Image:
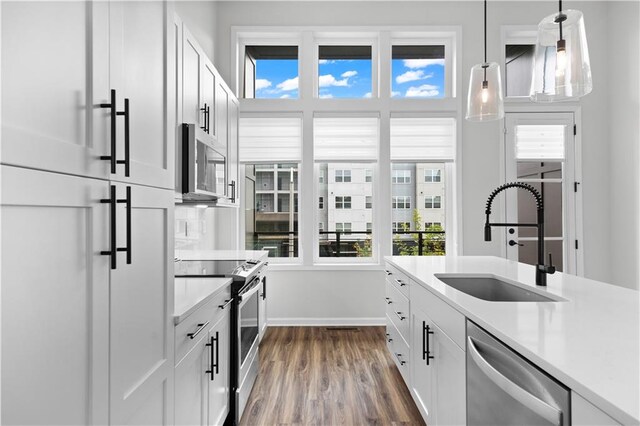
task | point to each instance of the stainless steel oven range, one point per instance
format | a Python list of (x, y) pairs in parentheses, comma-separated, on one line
[(248, 279)]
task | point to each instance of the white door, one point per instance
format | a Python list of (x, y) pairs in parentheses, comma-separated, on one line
[(449, 367), (140, 63), (540, 150), (192, 383), (422, 374), (55, 293), (141, 309), (219, 339), (55, 75)]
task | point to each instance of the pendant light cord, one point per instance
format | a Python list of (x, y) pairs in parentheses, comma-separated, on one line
[(560, 16), (485, 31)]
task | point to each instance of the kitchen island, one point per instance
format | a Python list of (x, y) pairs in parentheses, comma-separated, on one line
[(588, 339)]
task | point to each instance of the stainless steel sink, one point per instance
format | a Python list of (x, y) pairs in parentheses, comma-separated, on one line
[(493, 289)]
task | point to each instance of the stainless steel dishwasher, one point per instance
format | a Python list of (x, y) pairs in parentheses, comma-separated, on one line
[(503, 388)]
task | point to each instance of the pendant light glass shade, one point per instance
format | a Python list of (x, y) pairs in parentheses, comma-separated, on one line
[(561, 68), (484, 102)]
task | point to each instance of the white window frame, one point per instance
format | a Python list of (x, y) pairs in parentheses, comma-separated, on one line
[(321, 203), (515, 34), (382, 106), (342, 201), (344, 173), (404, 200), (431, 175), (400, 180), (433, 201), (368, 175), (368, 201)]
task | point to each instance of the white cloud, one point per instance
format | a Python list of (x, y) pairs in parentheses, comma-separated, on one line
[(325, 61), (412, 76), (285, 96), (326, 96), (329, 80), (395, 94), (424, 91), (288, 85), (422, 63), (367, 95), (262, 83), (348, 74)]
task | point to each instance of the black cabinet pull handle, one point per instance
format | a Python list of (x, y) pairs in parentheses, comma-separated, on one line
[(127, 158), (233, 191), (399, 356), (217, 363), (127, 249), (201, 327), (112, 157), (112, 226), (214, 345), (264, 285), (389, 339), (426, 331), (399, 314), (204, 114), (402, 283), (209, 119), (388, 300), (226, 303), (211, 354), (387, 272)]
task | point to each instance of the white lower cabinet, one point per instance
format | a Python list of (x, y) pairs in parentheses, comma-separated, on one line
[(583, 413), (202, 376), (422, 371)]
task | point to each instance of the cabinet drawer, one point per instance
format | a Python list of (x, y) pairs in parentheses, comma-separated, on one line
[(199, 322), (450, 321), (398, 349), (397, 278), (398, 309)]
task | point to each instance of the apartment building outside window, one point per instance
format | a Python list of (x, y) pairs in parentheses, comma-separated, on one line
[(343, 202), (401, 202), (401, 176), (368, 202), (368, 175), (432, 175), (321, 202), (432, 202), (401, 226), (343, 176), (343, 226)]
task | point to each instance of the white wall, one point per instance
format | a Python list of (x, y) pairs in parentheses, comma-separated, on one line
[(609, 132), (623, 141)]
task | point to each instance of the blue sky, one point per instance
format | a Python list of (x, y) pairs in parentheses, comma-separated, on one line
[(423, 78)]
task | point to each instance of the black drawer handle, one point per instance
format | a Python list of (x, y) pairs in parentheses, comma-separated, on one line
[(426, 350), (389, 339), (402, 283), (387, 272), (399, 314), (399, 356), (389, 301), (112, 158), (201, 327)]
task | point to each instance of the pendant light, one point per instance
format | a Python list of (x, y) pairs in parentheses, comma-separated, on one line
[(484, 102), (561, 69)]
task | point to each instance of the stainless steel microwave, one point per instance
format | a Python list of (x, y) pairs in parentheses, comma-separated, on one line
[(204, 174)]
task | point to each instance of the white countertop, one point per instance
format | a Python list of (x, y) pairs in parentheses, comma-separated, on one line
[(222, 254), (191, 293), (589, 342)]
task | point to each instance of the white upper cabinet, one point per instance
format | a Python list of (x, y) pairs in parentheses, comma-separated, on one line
[(209, 80), (55, 292), (232, 151), (55, 74), (192, 63), (139, 72)]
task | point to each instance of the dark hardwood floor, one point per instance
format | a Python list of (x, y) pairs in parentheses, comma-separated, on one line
[(328, 376)]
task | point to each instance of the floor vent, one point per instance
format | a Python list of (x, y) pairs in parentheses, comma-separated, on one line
[(342, 328)]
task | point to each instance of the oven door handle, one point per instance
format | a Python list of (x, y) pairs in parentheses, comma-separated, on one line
[(253, 288)]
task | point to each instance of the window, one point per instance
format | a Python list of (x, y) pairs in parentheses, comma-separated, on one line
[(428, 226), (368, 202), (401, 176), (343, 202), (321, 202), (321, 176), (369, 226), (264, 203), (344, 72), (271, 72), (401, 226), (432, 202), (343, 176), (401, 202), (432, 175), (368, 175), (320, 226), (343, 226), (418, 71)]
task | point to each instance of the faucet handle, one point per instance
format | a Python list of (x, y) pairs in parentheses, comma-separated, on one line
[(550, 268)]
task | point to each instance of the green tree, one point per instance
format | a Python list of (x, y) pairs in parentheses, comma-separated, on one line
[(433, 244)]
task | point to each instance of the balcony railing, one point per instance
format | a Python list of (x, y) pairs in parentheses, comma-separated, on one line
[(350, 243)]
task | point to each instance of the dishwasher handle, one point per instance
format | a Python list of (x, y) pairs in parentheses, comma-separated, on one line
[(538, 406)]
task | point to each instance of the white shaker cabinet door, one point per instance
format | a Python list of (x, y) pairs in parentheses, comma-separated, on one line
[(55, 292), (450, 393), (55, 75), (209, 79), (192, 382), (192, 93), (219, 339), (232, 150), (423, 376), (141, 69), (141, 306)]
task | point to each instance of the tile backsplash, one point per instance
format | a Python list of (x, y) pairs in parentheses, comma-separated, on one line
[(194, 228)]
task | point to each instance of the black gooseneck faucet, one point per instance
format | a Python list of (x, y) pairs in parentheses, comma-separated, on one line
[(541, 269)]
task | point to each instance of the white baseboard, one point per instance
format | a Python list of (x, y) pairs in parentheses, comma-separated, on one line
[(290, 322)]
